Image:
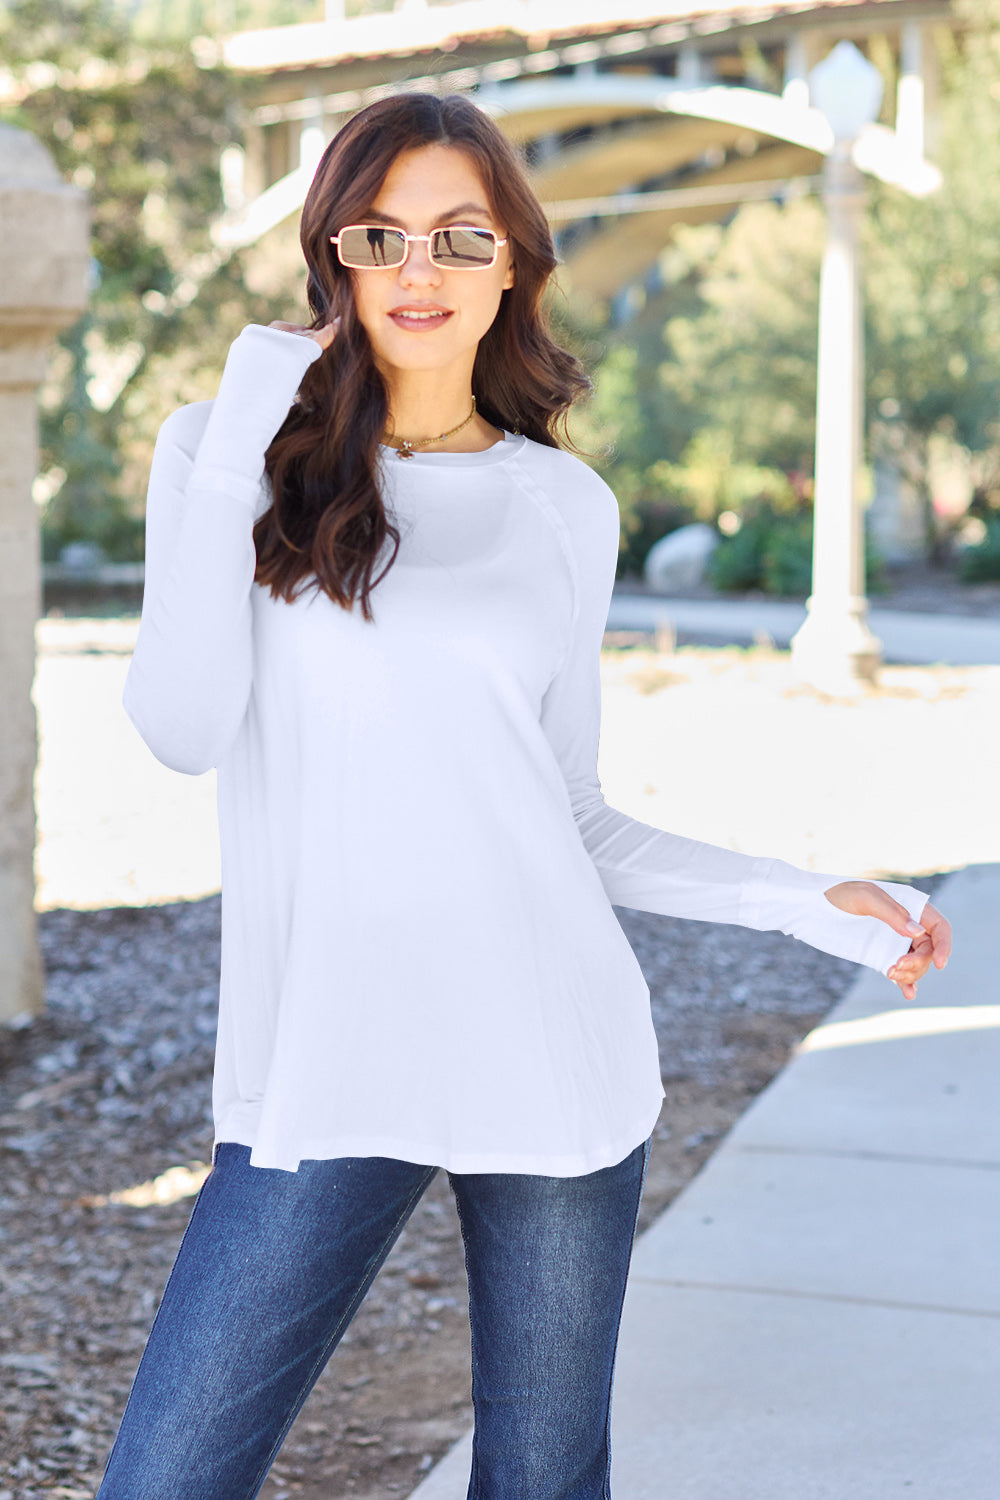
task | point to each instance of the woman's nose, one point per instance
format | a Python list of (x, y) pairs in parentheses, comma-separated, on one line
[(418, 266)]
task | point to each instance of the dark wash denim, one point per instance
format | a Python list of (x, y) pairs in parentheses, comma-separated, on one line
[(274, 1264)]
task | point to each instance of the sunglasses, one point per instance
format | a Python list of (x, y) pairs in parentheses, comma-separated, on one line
[(460, 247)]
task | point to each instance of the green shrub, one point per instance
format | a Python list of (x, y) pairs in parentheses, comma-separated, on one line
[(981, 564), (786, 565), (644, 523), (761, 554), (737, 561), (772, 551), (106, 521)]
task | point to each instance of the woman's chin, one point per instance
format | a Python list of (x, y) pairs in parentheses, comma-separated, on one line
[(422, 353)]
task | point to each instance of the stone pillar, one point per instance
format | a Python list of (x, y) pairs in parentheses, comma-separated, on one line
[(44, 258)]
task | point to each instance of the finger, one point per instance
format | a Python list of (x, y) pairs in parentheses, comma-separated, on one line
[(918, 957), (324, 334), (939, 929), (912, 972), (908, 964), (935, 946), (912, 965), (921, 952), (896, 916), (865, 898)]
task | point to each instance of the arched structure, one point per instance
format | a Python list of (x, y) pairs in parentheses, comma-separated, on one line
[(709, 104), (644, 132)]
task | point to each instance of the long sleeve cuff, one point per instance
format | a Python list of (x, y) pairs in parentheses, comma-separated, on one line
[(263, 371), (779, 896), (651, 870)]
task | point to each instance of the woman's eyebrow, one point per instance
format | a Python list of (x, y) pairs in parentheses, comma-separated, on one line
[(372, 215)]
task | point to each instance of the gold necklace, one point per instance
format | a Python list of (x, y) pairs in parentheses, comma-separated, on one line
[(407, 445)]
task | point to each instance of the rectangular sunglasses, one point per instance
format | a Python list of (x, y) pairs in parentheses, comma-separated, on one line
[(459, 247)]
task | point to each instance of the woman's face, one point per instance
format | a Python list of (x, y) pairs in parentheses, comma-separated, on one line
[(430, 188)]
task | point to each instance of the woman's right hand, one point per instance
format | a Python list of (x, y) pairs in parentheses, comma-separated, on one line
[(324, 336), (931, 935)]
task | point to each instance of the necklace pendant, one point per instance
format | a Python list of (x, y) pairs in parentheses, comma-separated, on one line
[(405, 451)]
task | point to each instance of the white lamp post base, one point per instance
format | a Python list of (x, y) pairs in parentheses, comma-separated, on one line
[(834, 649)]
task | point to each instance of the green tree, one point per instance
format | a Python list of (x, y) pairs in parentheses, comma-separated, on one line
[(731, 389), (142, 130), (933, 275), (633, 426), (745, 357)]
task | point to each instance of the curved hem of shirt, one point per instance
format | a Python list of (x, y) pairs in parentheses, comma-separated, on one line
[(460, 1162), (498, 453)]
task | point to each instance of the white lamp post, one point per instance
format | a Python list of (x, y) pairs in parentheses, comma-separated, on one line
[(834, 649)]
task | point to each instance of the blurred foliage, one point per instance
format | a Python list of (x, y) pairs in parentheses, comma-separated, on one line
[(706, 399), (704, 402), (141, 130), (682, 425), (981, 563), (933, 277), (772, 551), (625, 427), (709, 478), (746, 352), (643, 523), (180, 19)]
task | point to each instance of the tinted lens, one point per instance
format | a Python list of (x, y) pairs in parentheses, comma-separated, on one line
[(370, 245), (463, 247)]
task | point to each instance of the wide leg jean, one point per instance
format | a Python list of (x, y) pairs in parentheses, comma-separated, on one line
[(274, 1264)]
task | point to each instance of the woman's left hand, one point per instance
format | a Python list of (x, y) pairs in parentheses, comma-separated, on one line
[(930, 944)]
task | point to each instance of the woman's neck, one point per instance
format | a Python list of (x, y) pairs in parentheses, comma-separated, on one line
[(425, 404)]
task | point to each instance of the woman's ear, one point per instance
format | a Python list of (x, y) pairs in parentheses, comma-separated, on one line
[(508, 280)]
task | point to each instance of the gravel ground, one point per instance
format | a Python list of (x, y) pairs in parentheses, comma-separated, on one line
[(105, 1100)]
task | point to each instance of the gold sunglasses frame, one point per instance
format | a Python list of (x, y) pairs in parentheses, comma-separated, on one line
[(408, 239)]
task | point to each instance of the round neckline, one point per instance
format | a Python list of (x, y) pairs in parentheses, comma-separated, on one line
[(499, 452)]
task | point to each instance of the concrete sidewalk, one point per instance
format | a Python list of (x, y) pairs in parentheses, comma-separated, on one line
[(817, 1315), (953, 640)]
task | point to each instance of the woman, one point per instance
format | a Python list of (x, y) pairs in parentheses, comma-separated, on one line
[(375, 594)]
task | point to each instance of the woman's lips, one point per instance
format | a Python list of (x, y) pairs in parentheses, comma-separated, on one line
[(419, 319)]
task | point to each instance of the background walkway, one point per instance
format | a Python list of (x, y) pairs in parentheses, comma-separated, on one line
[(817, 1315), (906, 636)]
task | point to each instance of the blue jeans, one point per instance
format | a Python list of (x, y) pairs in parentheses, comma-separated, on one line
[(272, 1267)]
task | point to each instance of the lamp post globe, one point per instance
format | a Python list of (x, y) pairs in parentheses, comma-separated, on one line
[(847, 89)]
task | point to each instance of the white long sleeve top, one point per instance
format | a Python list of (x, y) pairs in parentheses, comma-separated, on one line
[(420, 958)]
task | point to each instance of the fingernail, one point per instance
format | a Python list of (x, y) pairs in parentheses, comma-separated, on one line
[(915, 928)]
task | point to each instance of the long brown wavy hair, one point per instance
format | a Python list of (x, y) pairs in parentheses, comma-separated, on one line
[(327, 523)]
